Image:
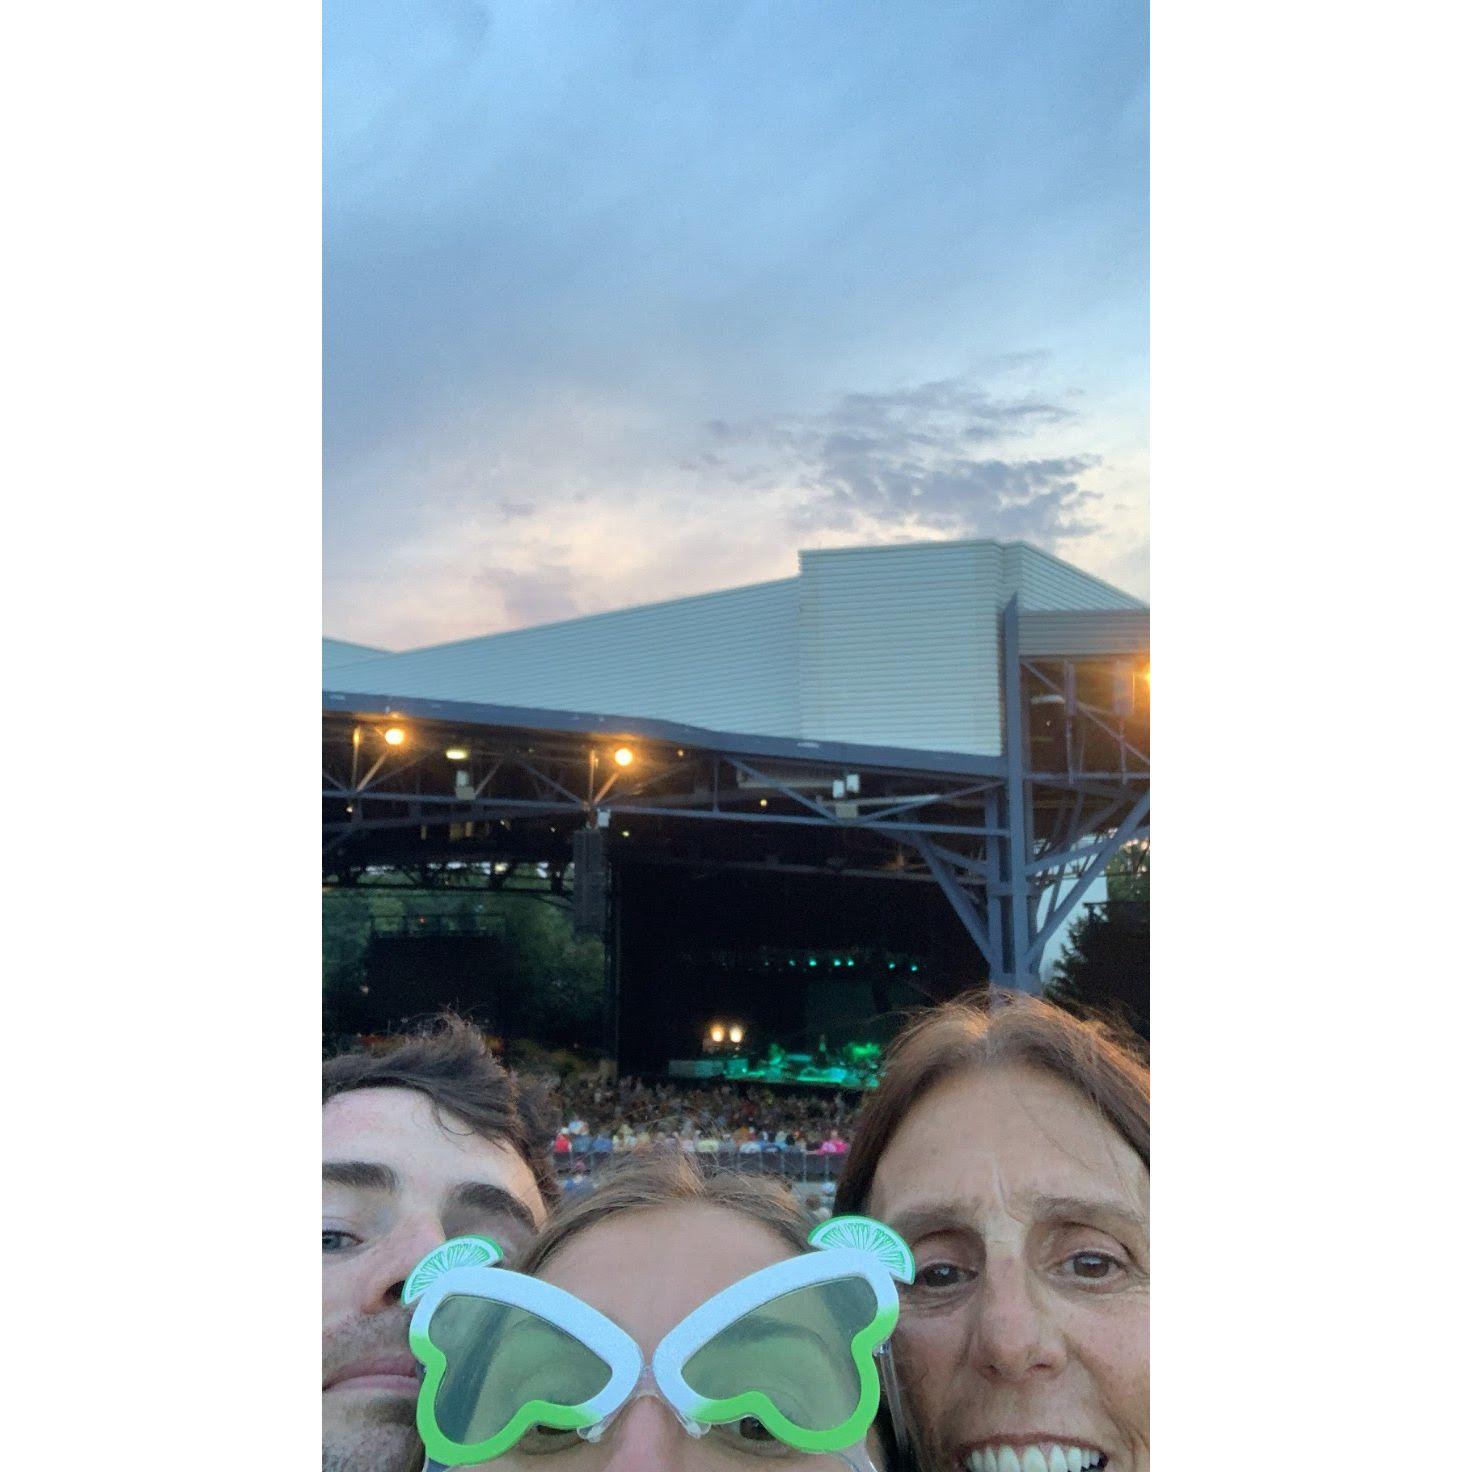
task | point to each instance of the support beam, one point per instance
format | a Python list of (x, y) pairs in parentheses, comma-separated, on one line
[(1018, 972), (961, 902), (1105, 851)]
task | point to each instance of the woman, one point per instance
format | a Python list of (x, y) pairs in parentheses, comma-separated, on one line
[(730, 1340), (1009, 1145)]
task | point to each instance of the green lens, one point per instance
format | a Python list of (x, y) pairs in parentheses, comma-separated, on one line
[(796, 1350), (499, 1358)]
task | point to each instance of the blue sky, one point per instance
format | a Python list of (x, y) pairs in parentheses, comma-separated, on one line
[(630, 300)]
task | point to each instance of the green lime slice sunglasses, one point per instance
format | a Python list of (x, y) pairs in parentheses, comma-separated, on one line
[(511, 1362)]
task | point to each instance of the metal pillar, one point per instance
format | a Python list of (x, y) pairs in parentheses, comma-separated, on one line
[(1020, 968)]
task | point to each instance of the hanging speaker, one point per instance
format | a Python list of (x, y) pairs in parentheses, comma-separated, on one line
[(589, 882)]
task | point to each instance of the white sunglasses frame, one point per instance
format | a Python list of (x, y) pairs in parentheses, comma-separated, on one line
[(617, 1349)]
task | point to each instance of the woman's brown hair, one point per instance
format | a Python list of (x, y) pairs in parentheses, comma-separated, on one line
[(986, 1031)]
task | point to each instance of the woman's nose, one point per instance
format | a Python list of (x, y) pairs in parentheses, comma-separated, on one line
[(1014, 1336), (647, 1437)]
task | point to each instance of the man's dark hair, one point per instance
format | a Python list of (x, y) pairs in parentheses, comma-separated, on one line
[(450, 1063)]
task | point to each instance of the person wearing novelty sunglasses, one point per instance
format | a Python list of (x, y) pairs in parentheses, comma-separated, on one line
[(678, 1320)]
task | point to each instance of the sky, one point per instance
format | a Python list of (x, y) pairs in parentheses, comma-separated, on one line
[(626, 301)]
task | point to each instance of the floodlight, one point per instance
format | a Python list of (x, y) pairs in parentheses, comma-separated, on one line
[(457, 753), (737, 1033), (717, 1033), (395, 735), (623, 756)]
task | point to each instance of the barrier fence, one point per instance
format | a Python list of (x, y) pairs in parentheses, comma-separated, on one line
[(802, 1166)]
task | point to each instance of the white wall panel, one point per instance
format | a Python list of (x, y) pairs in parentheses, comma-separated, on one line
[(724, 660), (898, 645), (1044, 581)]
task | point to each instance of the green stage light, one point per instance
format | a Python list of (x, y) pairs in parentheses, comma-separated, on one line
[(891, 965), (812, 960), (849, 962), (914, 967), (837, 962)]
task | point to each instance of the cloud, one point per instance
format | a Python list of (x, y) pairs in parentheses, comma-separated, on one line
[(909, 460), (535, 595)]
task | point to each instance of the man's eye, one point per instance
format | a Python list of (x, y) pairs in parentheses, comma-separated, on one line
[(943, 1275), (336, 1241)]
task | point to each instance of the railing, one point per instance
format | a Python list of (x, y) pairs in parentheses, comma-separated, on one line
[(802, 1166)]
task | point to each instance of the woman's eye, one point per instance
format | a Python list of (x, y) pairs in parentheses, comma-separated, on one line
[(750, 1436), (943, 1275), (1095, 1267), (542, 1439), (334, 1240)]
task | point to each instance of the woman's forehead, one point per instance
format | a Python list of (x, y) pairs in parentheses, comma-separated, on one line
[(1008, 1128), (647, 1268)]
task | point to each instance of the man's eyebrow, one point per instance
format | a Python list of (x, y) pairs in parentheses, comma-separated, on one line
[(359, 1175), (482, 1196)]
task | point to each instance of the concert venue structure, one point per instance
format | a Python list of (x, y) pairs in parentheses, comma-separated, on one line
[(790, 807)]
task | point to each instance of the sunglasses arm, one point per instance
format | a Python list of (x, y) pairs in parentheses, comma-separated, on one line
[(893, 1398)]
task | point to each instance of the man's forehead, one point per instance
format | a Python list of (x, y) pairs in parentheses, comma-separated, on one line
[(391, 1111), (422, 1150)]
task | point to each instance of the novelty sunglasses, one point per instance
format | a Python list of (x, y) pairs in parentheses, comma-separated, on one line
[(510, 1359)]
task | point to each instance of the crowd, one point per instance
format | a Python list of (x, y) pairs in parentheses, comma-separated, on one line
[(988, 1247), (600, 1119)]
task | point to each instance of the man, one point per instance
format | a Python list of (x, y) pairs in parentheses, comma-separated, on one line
[(430, 1140)]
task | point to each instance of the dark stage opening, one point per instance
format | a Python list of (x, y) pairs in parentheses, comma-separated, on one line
[(813, 964)]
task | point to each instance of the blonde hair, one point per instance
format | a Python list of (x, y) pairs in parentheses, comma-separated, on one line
[(647, 1183)]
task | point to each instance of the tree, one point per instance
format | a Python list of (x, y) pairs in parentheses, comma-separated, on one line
[(1105, 966), (539, 980)]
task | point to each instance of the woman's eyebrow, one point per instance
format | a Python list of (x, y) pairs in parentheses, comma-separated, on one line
[(914, 1222), (959, 1214), (1096, 1211)]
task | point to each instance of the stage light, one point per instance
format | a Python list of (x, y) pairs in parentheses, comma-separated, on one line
[(718, 1034), (812, 960), (457, 753), (737, 1033), (762, 803), (395, 736), (623, 756)]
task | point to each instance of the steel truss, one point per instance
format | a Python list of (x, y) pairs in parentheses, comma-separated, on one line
[(1013, 842)]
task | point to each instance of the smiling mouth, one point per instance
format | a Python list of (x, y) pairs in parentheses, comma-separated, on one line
[(1034, 1456)]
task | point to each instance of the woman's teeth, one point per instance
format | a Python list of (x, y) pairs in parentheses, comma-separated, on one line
[(1036, 1457)]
